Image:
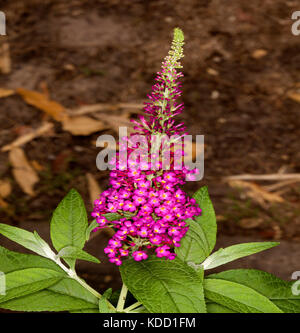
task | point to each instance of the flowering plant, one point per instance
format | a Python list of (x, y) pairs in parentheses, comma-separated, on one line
[(141, 186), (162, 242)]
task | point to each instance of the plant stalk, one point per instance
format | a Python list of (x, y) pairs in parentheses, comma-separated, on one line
[(122, 298), (132, 307), (73, 275)]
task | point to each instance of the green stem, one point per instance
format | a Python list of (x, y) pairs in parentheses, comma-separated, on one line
[(73, 275), (86, 286), (122, 298), (132, 307)]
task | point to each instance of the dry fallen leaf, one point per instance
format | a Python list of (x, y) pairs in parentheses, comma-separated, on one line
[(221, 218), (94, 188), (115, 122), (3, 203), (6, 92), (294, 96), (37, 166), (256, 192), (250, 223), (5, 188), (259, 53), (82, 125), (23, 172), (212, 71), (5, 61), (41, 101), (28, 137)]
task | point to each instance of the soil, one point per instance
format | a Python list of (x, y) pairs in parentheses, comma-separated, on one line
[(89, 51)]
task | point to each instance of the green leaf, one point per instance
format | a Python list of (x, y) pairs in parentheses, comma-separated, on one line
[(237, 297), (164, 286), (90, 228), (27, 281), (223, 256), (103, 304), (217, 308), (85, 311), (113, 216), (117, 216), (72, 288), (66, 295), (107, 294), (207, 219), (73, 252), (200, 239), (31, 241), (11, 261), (69, 223), (277, 290), (194, 246)]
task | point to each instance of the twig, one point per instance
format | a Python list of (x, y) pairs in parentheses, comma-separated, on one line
[(276, 176), (284, 183), (28, 137), (102, 107)]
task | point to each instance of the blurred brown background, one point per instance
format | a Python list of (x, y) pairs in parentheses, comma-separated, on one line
[(241, 90)]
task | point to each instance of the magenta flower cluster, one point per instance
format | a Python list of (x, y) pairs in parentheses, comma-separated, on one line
[(151, 209), (158, 210)]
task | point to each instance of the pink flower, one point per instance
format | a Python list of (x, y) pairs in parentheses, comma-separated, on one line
[(164, 195), (114, 243), (124, 194), (138, 200), (161, 210), (174, 231), (170, 177), (101, 221), (146, 209), (158, 229), (129, 206), (169, 217), (134, 173), (112, 207), (140, 192), (124, 253), (139, 255), (116, 261), (143, 232), (154, 202), (172, 256), (144, 184), (110, 251), (180, 196), (162, 251), (156, 239)]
